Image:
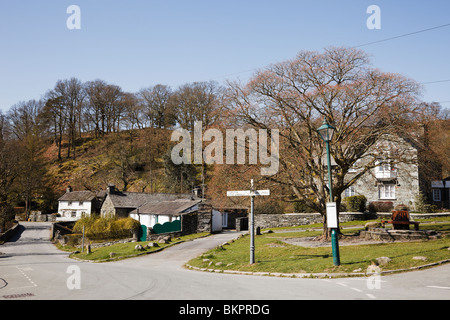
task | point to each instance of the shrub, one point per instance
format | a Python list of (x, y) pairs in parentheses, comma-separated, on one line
[(100, 228), (401, 207), (269, 207), (73, 240), (356, 203), (301, 207), (381, 206)]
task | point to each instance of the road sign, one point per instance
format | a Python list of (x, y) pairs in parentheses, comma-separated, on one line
[(252, 194), (248, 193), (332, 220)]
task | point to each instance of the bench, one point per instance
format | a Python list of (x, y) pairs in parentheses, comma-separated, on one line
[(400, 221)]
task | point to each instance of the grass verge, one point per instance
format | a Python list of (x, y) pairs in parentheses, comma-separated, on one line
[(273, 255), (125, 250)]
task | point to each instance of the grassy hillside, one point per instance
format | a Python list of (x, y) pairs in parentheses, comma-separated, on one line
[(132, 160)]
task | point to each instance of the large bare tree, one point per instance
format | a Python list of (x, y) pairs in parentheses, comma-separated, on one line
[(340, 86)]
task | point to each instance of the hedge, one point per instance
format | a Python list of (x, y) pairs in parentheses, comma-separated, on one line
[(356, 203), (101, 228)]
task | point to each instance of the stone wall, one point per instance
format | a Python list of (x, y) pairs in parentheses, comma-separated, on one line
[(405, 179), (108, 208), (9, 233), (299, 219), (204, 217)]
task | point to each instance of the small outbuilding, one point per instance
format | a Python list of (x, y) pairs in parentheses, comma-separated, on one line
[(160, 212)]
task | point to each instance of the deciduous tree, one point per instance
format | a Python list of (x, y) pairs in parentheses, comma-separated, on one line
[(339, 85)]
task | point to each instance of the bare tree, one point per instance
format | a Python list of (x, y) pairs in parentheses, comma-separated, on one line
[(66, 103), (104, 107), (9, 170), (156, 107), (55, 120), (295, 96), (198, 101), (27, 130)]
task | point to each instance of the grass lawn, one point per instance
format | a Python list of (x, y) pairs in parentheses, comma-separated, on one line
[(274, 255), (125, 250)]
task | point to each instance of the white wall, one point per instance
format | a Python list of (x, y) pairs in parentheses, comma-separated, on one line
[(216, 220), (66, 208), (149, 220)]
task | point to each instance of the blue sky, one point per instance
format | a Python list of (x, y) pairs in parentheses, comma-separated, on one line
[(137, 43)]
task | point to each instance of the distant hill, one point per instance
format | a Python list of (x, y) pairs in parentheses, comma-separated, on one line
[(132, 160)]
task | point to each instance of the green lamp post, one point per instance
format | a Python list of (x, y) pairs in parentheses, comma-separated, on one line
[(326, 132)]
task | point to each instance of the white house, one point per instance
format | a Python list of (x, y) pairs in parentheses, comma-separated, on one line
[(75, 204), (159, 212)]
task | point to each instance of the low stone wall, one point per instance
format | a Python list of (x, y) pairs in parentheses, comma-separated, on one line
[(380, 234), (299, 219), (9, 233), (416, 216)]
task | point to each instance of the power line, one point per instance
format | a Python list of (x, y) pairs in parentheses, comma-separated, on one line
[(438, 81), (366, 44), (369, 43), (403, 35)]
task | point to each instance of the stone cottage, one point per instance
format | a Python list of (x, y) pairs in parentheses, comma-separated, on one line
[(400, 173)]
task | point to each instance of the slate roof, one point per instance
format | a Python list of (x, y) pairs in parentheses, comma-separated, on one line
[(138, 199), (78, 196), (174, 207)]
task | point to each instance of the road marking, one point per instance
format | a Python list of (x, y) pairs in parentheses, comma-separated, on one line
[(27, 277), (356, 289), (437, 287), (371, 296)]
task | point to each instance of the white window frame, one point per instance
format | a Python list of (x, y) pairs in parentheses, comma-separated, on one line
[(349, 192), (386, 191), (385, 166), (437, 195)]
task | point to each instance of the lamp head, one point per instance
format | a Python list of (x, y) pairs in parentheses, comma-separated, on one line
[(326, 131)]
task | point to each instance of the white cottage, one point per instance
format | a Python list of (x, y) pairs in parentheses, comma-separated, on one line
[(160, 212), (75, 204)]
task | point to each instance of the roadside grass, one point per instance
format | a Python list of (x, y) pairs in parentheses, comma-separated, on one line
[(276, 256), (125, 250)]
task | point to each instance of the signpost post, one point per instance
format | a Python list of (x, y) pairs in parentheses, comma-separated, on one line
[(252, 194), (326, 133)]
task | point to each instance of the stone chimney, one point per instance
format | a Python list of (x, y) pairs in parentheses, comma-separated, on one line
[(69, 189), (111, 189)]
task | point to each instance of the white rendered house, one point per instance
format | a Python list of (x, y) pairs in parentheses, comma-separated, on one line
[(75, 204)]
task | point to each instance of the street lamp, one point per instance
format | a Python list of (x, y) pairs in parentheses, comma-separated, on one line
[(326, 132)]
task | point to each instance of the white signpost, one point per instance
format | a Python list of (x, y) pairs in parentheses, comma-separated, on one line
[(252, 194), (332, 220)]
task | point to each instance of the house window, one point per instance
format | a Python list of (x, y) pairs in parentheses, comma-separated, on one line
[(436, 195), (349, 192), (385, 166), (69, 203), (386, 191), (81, 203)]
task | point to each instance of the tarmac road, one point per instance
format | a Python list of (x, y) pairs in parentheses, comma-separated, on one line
[(32, 268)]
